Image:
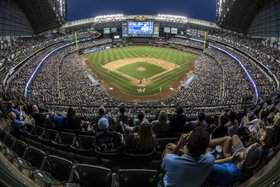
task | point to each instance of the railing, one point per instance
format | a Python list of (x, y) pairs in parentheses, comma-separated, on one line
[(151, 111)]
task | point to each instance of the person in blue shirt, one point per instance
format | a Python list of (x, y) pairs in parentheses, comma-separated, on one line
[(20, 124), (232, 169), (56, 120), (193, 166)]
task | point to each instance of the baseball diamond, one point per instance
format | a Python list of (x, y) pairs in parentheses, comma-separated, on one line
[(140, 73)]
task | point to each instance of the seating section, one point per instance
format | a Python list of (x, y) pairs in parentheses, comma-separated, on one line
[(53, 156)]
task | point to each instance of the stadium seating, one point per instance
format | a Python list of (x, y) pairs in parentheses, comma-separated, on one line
[(7, 142), (64, 140), (54, 171), (137, 178), (31, 160), (84, 144), (17, 149), (92, 176)]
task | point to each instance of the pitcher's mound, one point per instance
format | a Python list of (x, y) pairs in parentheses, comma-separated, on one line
[(141, 69)]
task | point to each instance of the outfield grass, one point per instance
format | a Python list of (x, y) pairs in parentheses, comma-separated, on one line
[(148, 71), (180, 58)]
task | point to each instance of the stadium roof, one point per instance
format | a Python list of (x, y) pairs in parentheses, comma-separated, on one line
[(237, 15), (44, 14)]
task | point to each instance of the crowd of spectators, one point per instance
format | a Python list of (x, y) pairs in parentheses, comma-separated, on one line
[(267, 55), (217, 79), (266, 86), (205, 87), (50, 78), (63, 79), (206, 150), (20, 49)]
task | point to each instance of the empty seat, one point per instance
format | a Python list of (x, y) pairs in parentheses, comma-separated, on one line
[(162, 142), (138, 160), (50, 136), (7, 142), (2, 134), (32, 159), (137, 178), (17, 149), (65, 139), (92, 176), (109, 159), (84, 144), (37, 133), (55, 171)]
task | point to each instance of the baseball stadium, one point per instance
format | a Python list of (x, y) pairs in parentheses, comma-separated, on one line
[(139, 98)]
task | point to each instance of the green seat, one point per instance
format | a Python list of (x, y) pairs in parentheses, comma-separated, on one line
[(56, 170), (32, 159), (92, 176), (17, 150)]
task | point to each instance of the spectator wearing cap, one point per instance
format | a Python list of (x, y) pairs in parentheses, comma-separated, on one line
[(142, 142), (200, 121), (178, 120), (108, 141), (102, 113)]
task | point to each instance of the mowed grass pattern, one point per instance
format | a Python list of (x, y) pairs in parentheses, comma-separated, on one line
[(140, 70), (180, 58)]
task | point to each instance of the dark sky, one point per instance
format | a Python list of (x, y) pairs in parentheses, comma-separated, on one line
[(199, 9)]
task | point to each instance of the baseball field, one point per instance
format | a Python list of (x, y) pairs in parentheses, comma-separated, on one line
[(140, 73)]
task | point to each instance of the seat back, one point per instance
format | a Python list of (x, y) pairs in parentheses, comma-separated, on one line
[(67, 138), (162, 142), (139, 156), (19, 147), (85, 142), (92, 176), (59, 167), (38, 131), (138, 160), (2, 135), (9, 140), (29, 128), (137, 178), (34, 156), (51, 134)]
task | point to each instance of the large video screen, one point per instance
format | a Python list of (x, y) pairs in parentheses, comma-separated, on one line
[(140, 28)]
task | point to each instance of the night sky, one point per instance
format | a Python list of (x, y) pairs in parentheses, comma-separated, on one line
[(199, 9)]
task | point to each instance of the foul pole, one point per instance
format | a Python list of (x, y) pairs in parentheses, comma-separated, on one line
[(76, 40)]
